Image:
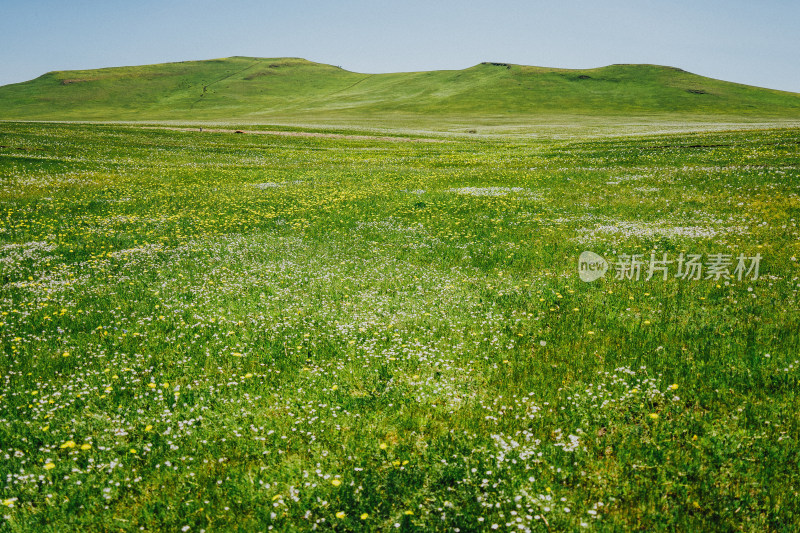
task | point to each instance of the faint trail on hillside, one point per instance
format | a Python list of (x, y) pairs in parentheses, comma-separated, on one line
[(351, 86), (206, 86)]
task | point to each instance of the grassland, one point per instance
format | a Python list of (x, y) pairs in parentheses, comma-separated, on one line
[(287, 90), (221, 332)]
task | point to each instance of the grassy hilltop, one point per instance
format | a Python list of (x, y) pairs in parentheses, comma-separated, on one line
[(252, 89)]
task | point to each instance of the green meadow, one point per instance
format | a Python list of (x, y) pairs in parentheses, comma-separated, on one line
[(375, 331)]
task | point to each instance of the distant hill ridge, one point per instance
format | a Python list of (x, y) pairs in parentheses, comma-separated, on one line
[(250, 88)]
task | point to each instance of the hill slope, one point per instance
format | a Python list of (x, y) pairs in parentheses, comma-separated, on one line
[(253, 88)]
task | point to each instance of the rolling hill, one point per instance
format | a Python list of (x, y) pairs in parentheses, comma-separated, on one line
[(252, 89)]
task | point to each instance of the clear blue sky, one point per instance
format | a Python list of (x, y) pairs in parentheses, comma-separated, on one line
[(755, 42)]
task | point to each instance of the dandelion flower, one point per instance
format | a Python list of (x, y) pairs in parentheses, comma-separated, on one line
[(340, 514), (654, 416), (364, 516), (68, 444), (86, 446), (383, 446), (49, 466), (336, 482)]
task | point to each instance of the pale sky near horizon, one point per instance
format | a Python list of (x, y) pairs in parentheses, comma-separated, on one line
[(751, 42)]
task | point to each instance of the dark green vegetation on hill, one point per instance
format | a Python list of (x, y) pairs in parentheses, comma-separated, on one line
[(251, 89), (243, 332)]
